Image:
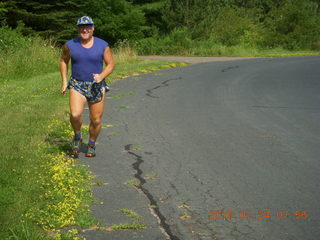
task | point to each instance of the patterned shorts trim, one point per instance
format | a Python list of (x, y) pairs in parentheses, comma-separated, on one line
[(93, 91)]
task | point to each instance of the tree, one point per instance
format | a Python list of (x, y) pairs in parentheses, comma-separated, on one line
[(152, 10), (47, 18), (3, 9), (195, 15), (293, 25), (117, 20), (234, 26)]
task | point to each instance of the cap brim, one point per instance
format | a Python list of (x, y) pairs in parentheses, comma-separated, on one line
[(91, 24)]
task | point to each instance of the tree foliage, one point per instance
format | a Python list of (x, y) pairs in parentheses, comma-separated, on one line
[(194, 15), (45, 17), (117, 20), (235, 26), (152, 11), (291, 24)]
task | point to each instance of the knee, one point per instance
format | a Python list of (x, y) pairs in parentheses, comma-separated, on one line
[(95, 121), (75, 116)]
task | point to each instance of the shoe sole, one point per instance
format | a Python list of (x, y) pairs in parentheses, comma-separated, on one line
[(90, 155)]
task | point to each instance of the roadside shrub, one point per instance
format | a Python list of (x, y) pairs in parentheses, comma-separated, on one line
[(233, 26), (294, 25), (11, 40), (194, 15), (315, 45), (148, 46), (252, 36), (117, 20), (123, 52), (178, 42)]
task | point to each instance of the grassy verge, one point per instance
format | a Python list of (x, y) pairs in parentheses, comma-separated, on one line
[(42, 192), (129, 64), (208, 48)]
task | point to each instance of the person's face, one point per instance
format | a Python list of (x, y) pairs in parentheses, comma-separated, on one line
[(85, 31)]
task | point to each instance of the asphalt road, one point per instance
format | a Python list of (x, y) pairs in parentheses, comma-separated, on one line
[(223, 150)]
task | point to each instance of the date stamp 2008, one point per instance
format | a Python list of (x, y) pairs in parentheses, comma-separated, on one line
[(260, 214)]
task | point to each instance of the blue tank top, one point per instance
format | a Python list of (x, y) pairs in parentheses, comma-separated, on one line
[(86, 61)]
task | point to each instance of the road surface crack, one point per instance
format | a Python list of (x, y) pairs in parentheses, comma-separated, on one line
[(229, 68), (163, 84), (155, 211)]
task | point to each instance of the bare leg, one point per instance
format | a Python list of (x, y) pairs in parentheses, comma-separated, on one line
[(77, 102), (96, 112)]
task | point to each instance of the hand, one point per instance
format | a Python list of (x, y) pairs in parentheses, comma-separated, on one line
[(97, 77), (64, 88)]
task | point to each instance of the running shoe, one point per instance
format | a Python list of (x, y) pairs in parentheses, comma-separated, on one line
[(91, 151), (76, 145)]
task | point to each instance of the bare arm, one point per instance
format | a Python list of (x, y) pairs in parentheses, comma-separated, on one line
[(64, 61), (108, 59)]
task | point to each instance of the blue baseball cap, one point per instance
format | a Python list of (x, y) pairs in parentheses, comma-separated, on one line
[(85, 20)]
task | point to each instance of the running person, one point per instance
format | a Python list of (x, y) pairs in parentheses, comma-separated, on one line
[(87, 81)]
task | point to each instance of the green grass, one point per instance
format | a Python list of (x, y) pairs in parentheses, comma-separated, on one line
[(124, 107), (132, 214), (246, 51), (41, 190), (139, 66), (209, 48), (136, 147), (185, 216), (113, 134), (127, 226), (134, 183), (150, 176), (99, 183)]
